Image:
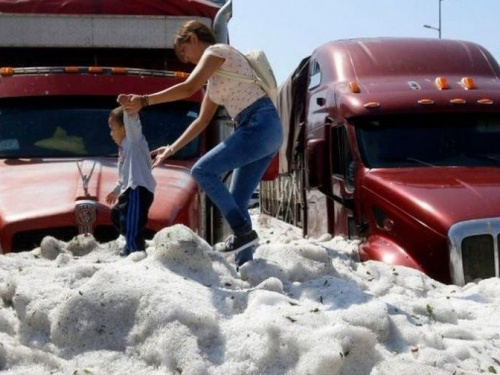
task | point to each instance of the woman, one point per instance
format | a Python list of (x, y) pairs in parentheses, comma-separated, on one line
[(248, 151)]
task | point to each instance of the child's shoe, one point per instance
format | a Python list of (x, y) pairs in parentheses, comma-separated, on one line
[(124, 251)]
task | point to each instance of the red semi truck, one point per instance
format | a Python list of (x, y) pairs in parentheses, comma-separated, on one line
[(63, 63), (395, 142)]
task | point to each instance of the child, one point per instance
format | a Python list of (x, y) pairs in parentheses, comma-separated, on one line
[(135, 187)]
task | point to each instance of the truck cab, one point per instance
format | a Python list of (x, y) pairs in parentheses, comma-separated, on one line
[(62, 66), (394, 142)]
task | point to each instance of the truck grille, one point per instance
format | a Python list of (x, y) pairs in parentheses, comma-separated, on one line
[(474, 250), (29, 240)]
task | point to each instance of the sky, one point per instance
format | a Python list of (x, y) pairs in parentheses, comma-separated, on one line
[(301, 307), (290, 30)]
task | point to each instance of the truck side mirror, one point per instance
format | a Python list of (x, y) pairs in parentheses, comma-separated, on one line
[(315, 155)]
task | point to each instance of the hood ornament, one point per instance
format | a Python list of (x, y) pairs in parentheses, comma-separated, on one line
[(85, 178), (85, 209), (85, 215)]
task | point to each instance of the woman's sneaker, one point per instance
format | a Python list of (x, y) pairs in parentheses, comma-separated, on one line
[(236, 243)]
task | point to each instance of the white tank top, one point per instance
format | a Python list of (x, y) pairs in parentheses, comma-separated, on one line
[(231, 93)]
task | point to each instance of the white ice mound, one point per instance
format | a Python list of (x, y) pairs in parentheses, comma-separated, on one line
[(184, 252), (83, 244)]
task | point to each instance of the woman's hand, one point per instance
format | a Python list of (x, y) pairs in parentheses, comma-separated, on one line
[(160, 154)]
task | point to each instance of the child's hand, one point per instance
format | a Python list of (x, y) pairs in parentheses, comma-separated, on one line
[(123, 99), (131, 103), (111, 198)]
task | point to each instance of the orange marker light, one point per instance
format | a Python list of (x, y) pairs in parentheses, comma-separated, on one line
[(7, 71), (181, 75), (354, 87), (458, 101), (468, 83), (117, 70), (441, 83), (95, 69), (485, 101), (71, 69), (426, 101), (372, 105)]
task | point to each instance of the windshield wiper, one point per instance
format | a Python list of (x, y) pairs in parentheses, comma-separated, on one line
[(418, 161), (492, 159)]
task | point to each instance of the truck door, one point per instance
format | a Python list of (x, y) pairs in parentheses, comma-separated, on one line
[(343, 175), (319, 207)]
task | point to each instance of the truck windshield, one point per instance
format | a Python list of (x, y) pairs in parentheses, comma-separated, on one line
[(429, 140), (45, 128)]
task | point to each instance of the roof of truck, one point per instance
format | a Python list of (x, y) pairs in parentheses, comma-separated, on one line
[(201, 8), (369, 58), (399, 73)]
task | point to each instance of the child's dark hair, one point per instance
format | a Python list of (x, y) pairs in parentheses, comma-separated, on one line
[(117, 115)]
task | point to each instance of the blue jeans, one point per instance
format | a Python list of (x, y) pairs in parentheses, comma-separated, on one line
[(247, 152)]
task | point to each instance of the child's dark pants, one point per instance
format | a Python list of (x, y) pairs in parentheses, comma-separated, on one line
[(130, 216)]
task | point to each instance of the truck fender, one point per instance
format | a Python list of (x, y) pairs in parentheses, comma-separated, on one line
[(385, 250), (272, 170)]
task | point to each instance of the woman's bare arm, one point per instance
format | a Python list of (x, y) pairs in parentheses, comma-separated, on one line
[(207, 112), (205, 68)]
